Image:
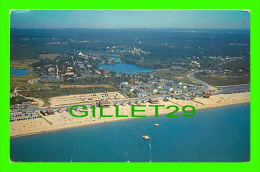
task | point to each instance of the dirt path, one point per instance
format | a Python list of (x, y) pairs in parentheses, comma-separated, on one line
[(39, 101)]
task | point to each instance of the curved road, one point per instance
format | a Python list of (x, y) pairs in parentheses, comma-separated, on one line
[(205, 85), (40, 102)]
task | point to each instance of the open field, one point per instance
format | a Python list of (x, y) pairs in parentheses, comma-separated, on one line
[(49, 56), (85, 86), (22, 64), (84, 98), (222, 80), (48, 92), (65, 120), (173, 75)]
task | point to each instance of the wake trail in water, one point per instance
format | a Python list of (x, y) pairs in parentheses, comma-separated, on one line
[(127, 157), (150, 152), (72, 153)]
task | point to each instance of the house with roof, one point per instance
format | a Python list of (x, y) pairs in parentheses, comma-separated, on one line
[(118, 75), (157, 86), (155, 91), (177, 90), (128, 88), (188, 85), (142, 94), (182, 87), (135, 91), (151, 76), (192, 88), (173, 83), (162, 92), (138, 82), (168, 89), (144, 87), (151, 82), (125, 83), (122, 85), (162, 80)]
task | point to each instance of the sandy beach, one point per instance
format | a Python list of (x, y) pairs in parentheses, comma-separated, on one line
[(65, 120)]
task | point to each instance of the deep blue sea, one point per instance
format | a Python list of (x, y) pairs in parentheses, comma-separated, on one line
[(212, 135), (18, 72), (125, 68)]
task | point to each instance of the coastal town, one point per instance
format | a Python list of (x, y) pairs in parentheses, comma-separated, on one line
[(95, 70), (130, 89), (129, 86)]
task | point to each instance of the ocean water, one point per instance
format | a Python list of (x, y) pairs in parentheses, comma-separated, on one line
[(213, 135), (18, 72), (125, 68)]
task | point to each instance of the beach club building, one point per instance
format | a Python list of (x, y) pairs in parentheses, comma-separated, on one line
[(153, 100), (104, 103)]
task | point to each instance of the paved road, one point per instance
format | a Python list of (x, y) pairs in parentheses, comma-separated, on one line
[(224, 90), (234, 89), (205, 85)]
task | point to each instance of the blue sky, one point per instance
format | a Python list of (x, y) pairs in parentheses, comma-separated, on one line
[(237, 19)]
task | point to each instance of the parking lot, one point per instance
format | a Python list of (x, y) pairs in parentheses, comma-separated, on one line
[(234, 89)]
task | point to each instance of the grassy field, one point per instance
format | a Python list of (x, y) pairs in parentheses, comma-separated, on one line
[(45, 80), (22, 64), (85, 86), (49, 56), (166, 73), (222, 80), (48, 92), (18, 100)]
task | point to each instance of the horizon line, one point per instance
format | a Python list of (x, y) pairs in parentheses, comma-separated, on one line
[(132, 28)]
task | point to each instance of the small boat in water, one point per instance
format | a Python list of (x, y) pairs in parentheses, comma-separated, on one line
[(156, 124), (146, 137)]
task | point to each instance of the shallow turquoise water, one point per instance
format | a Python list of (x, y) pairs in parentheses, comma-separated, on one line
[(212, 135)]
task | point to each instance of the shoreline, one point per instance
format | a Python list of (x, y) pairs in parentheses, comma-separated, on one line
[(65, 121), (100, 122)]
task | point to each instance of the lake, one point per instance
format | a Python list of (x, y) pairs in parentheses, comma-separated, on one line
[(18, 72), (219, 134), (125, 68)]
